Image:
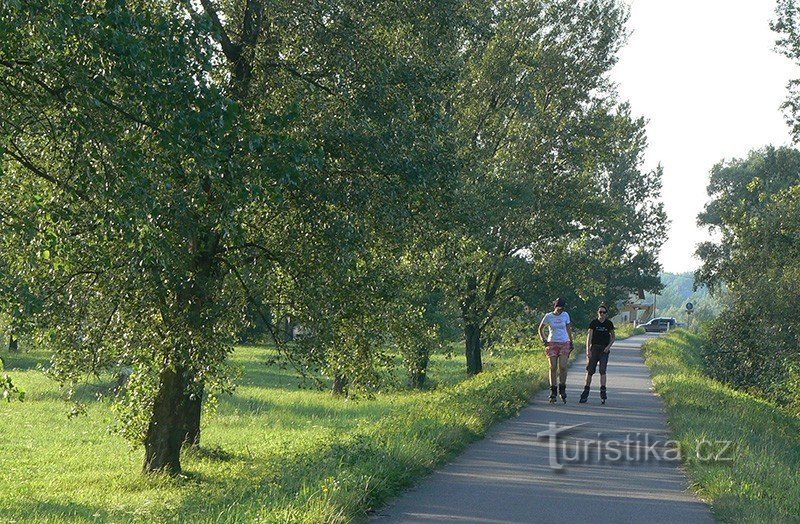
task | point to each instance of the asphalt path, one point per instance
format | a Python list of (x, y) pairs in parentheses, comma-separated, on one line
[(616, 464)]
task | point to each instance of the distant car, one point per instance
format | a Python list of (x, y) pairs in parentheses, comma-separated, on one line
[(660, 324)]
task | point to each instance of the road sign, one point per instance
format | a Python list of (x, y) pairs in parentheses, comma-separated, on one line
[(689, 306)]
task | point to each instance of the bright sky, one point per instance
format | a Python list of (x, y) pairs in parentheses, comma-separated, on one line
[(704, 73)]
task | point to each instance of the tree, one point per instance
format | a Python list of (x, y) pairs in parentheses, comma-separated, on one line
[(787, 25), (131, 212), (544, 152), (173, 165), (755, 207), (372, 89)]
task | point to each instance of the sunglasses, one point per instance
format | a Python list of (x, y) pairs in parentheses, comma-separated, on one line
[(602, 312)]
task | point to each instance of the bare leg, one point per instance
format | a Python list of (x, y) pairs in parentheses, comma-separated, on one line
[(553, 370), (603, 380), (563, 360), (589, 379)]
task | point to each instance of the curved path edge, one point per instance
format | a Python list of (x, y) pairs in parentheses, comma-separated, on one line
[(513, 475)]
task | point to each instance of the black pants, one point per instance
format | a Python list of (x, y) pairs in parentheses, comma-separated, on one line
[(596, 355)]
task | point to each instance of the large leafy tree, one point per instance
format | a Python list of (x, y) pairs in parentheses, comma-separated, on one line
[(131, 169), (372, 78), (174, 166)]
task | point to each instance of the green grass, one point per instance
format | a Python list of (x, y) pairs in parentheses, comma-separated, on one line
[(760, 483), (272, 452), (627, 330)]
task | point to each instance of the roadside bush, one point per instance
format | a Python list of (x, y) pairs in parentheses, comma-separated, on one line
[(750, 355)]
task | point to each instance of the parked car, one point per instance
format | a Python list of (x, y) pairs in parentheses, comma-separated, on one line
[(660, 324)]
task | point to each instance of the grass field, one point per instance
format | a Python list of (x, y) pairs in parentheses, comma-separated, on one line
[(760, 482), (272, 451)]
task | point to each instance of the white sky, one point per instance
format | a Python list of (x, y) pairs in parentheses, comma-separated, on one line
[(704, 73)]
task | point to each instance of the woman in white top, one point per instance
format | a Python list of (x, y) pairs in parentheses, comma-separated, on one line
[(558, 345)]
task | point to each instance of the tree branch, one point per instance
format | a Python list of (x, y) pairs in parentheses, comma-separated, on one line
[(232, 51), (20, 157), (294, 72), (253, 301), (127, 114)]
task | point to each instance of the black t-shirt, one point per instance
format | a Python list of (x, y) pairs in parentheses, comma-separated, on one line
[(602, 332)]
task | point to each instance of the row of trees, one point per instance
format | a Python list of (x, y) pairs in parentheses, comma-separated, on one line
[(171, 171), (755, 209)]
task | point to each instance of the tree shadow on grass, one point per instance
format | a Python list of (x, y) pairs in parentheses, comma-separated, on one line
[(215, 453), (260, 374), (46, 510), (23, 361), (85, 392), (244, 405), (272, 482)]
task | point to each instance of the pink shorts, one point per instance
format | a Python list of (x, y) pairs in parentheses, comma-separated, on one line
[(555, 349)]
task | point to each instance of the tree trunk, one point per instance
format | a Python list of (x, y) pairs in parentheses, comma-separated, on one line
[(13, 343), (472, 335), (192, 409), (472, 327), (419, 368), (166, 431), (196, 296), (288, 331), (123, 376), (339, 383)]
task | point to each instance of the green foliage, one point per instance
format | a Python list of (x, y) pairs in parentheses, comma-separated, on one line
[(8, 391), (760, 482), (756, 207), (787, 25)]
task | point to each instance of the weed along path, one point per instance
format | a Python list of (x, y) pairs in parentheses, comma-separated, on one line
[(568, 462)]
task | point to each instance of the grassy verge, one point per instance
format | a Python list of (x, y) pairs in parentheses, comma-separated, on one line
[(760, 482), (627, 330)]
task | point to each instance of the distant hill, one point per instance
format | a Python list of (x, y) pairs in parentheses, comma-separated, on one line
[(678, 291)]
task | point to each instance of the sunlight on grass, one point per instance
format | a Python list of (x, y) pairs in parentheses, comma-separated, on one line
[(272, 451), (760, 483)]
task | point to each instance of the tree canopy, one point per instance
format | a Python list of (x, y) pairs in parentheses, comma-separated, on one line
[(370, 171)]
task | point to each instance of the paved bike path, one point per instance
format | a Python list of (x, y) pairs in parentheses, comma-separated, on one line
[(507, 477)]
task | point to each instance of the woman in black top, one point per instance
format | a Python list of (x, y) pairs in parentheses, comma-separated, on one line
[(598, 346)]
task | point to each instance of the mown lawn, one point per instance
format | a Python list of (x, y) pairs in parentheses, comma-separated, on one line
[(760, 482), (272, 452)]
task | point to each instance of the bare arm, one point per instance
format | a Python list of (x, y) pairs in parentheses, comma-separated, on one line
[(589, 341), (569, 332), (611, 342), (541, 331)]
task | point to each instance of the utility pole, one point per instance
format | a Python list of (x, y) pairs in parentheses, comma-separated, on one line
[(655, 296)]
